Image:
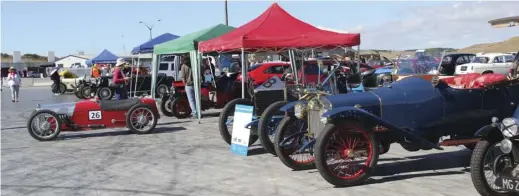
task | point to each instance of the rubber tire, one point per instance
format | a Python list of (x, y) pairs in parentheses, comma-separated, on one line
[(320, 161), (180, 100), (87, 95), (284, 158), (165, 112), (165, 90), (29, 127), (476, 170), (487, 72), (105, 98), (128, 118), (266, 116), (79, 92), (226, 111)]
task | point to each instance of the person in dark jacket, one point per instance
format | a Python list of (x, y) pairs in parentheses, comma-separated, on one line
[(54, 76)]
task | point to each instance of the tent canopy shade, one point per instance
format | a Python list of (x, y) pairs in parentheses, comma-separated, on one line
[(147, 47), (189, 42), (105, 57), (277, 30)]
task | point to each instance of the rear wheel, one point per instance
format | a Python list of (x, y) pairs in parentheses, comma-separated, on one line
[(487, 72), (346, 153), (226, 118), (267, 125), (87, 92), (141, 119), (61, 90), (180, 107), (44, 125), (105, 93), (288, 151)]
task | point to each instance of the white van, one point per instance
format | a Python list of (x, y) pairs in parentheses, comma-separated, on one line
[(167, 66), (500, 63)]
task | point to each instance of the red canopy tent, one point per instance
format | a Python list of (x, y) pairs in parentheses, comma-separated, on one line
[(276, 30)]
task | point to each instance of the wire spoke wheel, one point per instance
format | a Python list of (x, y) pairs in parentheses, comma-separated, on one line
[(345, 153), (44, 125), (488, 167), (348, 153), (292, 144), (141, 118)]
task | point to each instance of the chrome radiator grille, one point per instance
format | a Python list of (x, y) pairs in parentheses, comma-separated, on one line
[(315, 125)]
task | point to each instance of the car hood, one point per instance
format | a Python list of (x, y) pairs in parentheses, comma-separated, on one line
[(61, 108), (385, 101)]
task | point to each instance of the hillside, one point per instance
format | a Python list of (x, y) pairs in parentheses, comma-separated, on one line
[(510, 45), (29, 58)]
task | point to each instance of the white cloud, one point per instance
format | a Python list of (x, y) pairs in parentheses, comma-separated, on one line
[(454, 24)]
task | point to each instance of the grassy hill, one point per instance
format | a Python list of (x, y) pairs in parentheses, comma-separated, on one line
[(509, 45), (29, 58)]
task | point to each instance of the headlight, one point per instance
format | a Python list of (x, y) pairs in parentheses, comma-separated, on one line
[(506, 146), (325, 103), (509, 127), (299, 110)]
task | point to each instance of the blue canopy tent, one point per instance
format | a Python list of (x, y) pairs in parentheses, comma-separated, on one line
[(105, 57), (147, 47)]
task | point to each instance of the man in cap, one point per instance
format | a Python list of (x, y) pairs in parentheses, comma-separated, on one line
[(119, 80)]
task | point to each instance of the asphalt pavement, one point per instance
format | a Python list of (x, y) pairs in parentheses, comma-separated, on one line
[(182, 157)]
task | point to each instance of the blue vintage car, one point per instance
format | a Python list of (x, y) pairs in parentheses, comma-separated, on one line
[(352, 130)]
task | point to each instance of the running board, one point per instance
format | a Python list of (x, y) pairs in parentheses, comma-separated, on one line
[(456, 142)]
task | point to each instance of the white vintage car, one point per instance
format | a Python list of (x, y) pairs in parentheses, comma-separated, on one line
[(500, 63)]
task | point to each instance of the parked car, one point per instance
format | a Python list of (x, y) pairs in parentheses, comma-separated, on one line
[(496, 157), (450, 61), (413, 111), (500, 63)]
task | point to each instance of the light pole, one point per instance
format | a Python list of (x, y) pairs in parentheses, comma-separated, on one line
[(226, 14), (150, 27)]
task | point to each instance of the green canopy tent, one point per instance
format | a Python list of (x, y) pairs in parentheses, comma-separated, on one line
[(183, 45)]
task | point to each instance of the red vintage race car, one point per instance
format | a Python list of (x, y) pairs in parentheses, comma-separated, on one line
[(140, 115)]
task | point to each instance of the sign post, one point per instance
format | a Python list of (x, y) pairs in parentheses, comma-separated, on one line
[(240, 134)]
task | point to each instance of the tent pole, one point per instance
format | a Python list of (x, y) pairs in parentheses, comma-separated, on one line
[(243, 73), (136, 75), (154, 71), (199, 87), (302, 67), (293, 64), (131, 76), (358, 58)]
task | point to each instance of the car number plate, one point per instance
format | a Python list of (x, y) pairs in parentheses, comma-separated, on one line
[(508, 183), (94, 115), (463, 68)]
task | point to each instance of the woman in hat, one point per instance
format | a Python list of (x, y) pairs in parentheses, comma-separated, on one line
[(14, 82), (119, 80)]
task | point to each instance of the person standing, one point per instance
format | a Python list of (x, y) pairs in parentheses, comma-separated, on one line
[(119, 80), (55, 77), (187, 78), (14, 81)]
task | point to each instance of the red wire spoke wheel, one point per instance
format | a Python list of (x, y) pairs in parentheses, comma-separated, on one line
[(346, 153)]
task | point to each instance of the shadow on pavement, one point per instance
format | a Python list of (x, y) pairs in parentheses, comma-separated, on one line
[(402, 168), (166, 123), (157, 130), (257, 151), (124, 191), (211, 114)]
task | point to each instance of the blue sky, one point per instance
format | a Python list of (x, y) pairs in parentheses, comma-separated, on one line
[(68, 27)]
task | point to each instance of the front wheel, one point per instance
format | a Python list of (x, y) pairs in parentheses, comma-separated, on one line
[(44, 125), (290, 137), (79, 93), (226, 118), (162, 90), (346, 153), (482, 168), (165, 106), (267, 125)]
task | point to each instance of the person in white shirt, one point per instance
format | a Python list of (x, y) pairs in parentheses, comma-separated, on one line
[(14, 81)]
